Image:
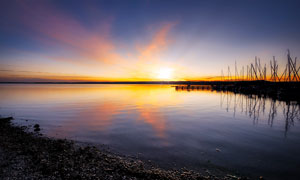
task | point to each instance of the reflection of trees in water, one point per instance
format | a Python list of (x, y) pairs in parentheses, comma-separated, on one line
[(292, 112), (255, 106)]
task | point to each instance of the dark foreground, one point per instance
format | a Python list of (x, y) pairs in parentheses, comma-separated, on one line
[(29, 155)]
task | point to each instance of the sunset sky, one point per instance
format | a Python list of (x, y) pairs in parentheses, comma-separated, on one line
[(64, 40)]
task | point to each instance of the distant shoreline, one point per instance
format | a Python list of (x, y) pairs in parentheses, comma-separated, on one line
[(161, 82), (104, 82), (284, 91)]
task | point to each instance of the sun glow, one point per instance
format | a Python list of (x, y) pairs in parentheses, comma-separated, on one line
[(164, 73)]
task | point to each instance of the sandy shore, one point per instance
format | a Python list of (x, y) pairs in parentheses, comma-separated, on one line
[(30, 155)]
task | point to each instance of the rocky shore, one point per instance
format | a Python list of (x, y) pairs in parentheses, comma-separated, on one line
[(30, 155)]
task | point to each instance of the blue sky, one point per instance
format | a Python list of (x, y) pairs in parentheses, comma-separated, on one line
[(138, 40)]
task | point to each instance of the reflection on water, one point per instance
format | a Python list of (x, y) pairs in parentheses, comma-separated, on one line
[(253, 106), (103, 103), (174, 127)]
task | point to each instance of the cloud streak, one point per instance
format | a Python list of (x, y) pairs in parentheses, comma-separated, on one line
[(56, 28), (158, 44), (68, 40)]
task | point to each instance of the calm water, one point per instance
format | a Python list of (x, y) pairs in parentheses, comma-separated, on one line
[(172, 128)]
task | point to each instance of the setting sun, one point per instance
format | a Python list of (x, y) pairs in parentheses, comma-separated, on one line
[(149, 89), (165, 73)]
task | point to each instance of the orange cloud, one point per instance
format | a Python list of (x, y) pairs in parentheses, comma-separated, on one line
[(148, 57), (157, 44), (57, 28), (93, 47)]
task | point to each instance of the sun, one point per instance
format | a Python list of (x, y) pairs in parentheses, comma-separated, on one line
[(164, 73)]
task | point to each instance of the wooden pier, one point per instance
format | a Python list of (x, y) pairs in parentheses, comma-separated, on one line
[(193, 87)]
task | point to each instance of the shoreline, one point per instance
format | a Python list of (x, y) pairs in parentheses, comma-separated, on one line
[(281, 91), (30, 155)]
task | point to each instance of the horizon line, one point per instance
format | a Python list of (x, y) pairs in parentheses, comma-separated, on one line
[(144, 82)]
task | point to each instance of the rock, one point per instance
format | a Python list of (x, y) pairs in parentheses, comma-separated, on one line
[(36, 127)]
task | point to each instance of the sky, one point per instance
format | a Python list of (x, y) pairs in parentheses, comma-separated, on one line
[(64, 40)]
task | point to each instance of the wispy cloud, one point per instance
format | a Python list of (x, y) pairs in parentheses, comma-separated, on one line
[(56, 28), (67, 39), (158, 43)]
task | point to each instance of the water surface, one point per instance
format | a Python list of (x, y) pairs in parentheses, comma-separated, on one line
[(173, 128)]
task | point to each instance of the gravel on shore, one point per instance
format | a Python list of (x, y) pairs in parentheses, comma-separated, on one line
[(30, 155)]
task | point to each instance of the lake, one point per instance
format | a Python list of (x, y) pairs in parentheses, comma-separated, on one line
[(172, 128)]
